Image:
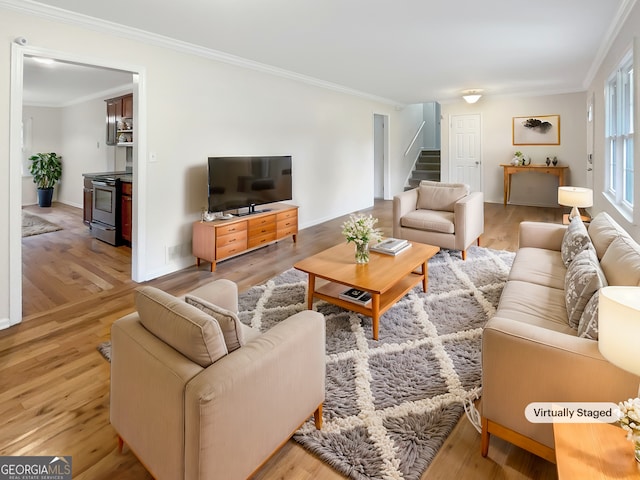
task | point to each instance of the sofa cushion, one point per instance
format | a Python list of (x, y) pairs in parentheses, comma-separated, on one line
[(621, 262), (189, 330), (539, 265), (440, 196), (429, 220), (575, 240), (603, 230), (588, 326), (534, 304), (228, 321), (584, 277)]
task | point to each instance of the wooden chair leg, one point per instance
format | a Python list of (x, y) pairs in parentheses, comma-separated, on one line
[(464, 254), (120, 444), (478, 241), (317, 417), (484, 438)]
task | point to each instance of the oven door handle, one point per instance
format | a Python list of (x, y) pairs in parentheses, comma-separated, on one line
[(99, 184)]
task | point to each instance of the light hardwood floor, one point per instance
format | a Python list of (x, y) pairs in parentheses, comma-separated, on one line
[(54, 385)]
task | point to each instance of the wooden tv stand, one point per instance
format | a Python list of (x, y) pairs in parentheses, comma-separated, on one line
[(221, 239)]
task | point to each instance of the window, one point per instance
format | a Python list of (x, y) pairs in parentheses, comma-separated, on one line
[(619, 136)]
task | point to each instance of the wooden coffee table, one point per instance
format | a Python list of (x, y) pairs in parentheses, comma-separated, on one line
[(387, 278)]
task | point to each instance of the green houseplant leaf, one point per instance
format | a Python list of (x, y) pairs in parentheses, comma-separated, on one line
[(46, 169)]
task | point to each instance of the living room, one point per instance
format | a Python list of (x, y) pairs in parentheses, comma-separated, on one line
[(194, 104)]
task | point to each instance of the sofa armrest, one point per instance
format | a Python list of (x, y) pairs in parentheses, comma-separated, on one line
[(523, 363), (403, 203), (541, 235), (243, 407), (469, 219)]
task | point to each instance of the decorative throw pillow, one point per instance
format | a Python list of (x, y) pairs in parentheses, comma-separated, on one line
[(228, 321), (575, 240), (440, 196), (190, 331), (588, 326), (584, 277)]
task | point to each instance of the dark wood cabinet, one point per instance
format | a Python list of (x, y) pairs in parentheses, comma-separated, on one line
[(114, 107), (119, 109), (127, 106), (87, 201), (126, 212)]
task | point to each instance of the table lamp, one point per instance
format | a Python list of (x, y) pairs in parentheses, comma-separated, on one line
[(619, 327), (575, 197)]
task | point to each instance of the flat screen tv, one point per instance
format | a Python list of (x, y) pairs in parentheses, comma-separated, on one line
[(240, 182)]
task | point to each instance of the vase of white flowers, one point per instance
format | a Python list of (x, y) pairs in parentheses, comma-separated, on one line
[(360, 229), (629, 419)]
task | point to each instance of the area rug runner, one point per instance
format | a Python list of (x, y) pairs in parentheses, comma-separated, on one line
[(35, 225), (390, 404)]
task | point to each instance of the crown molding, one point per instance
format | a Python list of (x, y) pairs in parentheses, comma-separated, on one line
[(612, 32), (30, 7)]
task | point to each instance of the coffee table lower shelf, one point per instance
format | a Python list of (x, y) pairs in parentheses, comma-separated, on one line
[(379, 303)]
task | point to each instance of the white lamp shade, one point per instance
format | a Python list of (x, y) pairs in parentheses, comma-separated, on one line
[(619, 326), (575, 196)]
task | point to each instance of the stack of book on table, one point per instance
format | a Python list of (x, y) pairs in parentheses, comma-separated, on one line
[(391, 246), (356, 295)]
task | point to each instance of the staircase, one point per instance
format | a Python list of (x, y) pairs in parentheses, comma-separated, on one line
[(427, 167)]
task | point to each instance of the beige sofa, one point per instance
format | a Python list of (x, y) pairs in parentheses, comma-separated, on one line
[(197, 395), (447, 215), (530, 350)]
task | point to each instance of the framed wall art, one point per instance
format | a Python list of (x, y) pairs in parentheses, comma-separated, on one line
[(536, 130)]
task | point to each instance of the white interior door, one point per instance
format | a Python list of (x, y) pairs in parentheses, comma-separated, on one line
[(465, 150)]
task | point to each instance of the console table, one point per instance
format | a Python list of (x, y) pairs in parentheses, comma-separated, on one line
[(509, 170), (594, 450), (220, 239)]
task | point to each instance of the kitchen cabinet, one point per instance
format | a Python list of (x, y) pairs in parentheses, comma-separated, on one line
[(87, 201), (126, 215), (120, 121)]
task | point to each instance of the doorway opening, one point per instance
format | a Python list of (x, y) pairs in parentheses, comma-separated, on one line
[(23, 80), (381, 180)]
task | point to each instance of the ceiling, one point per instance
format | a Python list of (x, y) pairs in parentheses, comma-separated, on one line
[(406, 51)]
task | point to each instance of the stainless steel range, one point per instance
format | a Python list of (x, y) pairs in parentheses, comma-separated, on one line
[(106, 192)]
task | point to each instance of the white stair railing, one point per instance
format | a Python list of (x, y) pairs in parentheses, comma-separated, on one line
[(413, 151)]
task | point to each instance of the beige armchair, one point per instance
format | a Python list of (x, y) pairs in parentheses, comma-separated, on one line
[(443, 214), (197, 395)]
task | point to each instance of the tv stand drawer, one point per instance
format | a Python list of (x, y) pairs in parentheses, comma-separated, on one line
[(221, 239)]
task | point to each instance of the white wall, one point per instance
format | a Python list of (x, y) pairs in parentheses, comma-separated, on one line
[(196, 107), (42, 130), (618, 49), (497, 147), (77, 134), (83, 148)]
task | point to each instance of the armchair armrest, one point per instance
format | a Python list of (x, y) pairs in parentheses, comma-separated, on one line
[(403, 203), (524, 363), (541, 235), (222, 292), (243, 407), (469, 219)]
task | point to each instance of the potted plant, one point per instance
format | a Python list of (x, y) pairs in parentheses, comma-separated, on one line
[(46, 169)]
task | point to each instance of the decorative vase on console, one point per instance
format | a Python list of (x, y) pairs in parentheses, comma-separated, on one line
[(548, 161), (360, 229), (555, 161)]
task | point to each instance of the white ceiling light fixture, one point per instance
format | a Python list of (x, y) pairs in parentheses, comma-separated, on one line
[(471, 96)]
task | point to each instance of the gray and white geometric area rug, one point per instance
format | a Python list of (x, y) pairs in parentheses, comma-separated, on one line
[(390, 404)]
